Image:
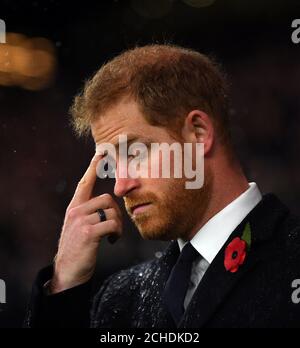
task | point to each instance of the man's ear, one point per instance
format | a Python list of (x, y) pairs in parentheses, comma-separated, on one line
[(198, 127)]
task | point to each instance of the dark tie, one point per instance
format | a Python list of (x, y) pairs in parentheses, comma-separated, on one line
[(178, 281)]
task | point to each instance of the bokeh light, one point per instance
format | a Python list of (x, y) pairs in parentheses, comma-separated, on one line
[(27, 63)]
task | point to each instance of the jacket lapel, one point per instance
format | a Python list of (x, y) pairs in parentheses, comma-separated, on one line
[(217, 283), (157, 314)]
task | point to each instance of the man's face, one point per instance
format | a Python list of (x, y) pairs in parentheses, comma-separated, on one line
[(161, 208)]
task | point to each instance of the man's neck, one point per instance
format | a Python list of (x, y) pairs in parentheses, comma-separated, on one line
[(222, 194)]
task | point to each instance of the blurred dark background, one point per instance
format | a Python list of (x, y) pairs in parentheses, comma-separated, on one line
[(53, 46)]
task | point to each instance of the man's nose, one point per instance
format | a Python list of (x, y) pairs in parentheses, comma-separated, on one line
[(124, 185)]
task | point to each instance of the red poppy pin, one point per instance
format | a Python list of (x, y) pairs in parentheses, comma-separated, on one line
[(236, 250)]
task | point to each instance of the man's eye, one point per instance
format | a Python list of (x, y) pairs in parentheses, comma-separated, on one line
[(106, 168)]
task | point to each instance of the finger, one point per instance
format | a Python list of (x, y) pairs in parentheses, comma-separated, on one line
[(86, 184), (94, 219), (106, 228), (104, 201)]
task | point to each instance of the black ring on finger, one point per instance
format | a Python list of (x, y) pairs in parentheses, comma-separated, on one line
[(101, 214)]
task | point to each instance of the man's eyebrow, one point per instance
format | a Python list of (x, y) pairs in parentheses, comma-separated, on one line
[(133, 138), (130, 140)]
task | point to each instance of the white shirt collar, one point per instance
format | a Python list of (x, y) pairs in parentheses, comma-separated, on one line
[(213, 235)]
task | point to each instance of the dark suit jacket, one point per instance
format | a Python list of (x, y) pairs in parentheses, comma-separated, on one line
[(259, 294)]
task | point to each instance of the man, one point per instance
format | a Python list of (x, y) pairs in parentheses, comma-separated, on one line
[(233, 259)]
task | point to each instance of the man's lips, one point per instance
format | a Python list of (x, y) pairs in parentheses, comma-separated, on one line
[(138, 208)]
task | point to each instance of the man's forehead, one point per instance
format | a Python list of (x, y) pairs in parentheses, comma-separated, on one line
[(124, 138), (112, 124), (123, 110), (110, 133)]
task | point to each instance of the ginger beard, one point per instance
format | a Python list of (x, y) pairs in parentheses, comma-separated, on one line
[(174, 211)]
